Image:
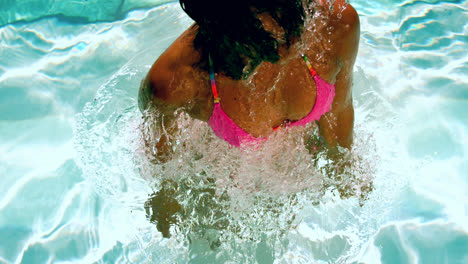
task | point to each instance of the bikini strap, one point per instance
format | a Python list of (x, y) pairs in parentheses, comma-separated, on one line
[(311, 70), (213, 83)]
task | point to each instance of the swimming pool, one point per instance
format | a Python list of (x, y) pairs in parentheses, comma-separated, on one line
[(73, 188)]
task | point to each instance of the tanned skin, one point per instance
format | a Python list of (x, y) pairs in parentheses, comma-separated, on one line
[(175, 83)]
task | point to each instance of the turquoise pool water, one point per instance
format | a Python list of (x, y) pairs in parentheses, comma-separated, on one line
[(74, 184)]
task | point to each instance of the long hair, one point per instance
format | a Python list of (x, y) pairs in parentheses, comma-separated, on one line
[(231, 33)]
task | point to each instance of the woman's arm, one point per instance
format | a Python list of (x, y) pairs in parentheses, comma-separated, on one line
[(160, 122), (170, 86), (336, 127)]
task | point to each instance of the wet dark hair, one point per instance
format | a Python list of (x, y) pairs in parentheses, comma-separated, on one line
[(231, 33)]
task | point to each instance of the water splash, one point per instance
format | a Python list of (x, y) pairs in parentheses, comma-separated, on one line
[(278, 199)]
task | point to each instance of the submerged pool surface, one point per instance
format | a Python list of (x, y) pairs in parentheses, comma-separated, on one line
[(74, 186)]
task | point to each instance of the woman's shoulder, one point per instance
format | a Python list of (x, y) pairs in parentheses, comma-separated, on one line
[(345, 21), (345, 12), (170, 79)]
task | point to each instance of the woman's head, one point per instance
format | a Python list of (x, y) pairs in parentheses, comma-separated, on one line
[(232, 34)]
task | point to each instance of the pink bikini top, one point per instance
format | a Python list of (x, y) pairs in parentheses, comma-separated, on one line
[(226, 129)]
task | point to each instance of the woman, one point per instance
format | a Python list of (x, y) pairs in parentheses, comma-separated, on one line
[(276, 63)]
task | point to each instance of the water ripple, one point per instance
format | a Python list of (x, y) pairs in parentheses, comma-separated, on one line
[(82, 11), (432, 27)]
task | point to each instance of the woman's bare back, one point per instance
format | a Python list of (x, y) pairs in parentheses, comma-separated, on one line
[(273, 92)]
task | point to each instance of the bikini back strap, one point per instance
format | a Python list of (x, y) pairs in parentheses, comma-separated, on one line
[(311, 70), (212, 80)]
